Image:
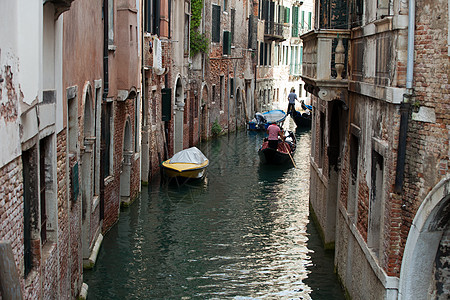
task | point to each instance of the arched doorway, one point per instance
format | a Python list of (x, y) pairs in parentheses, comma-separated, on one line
[(127, 154), (87, 150), (204, 113), (428, 236), (178, 116)]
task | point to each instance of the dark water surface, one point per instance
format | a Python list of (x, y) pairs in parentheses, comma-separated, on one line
[(243, 233)]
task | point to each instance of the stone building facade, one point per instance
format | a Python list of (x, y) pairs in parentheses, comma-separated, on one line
[(280, 51), (70, 103), (379, 77)]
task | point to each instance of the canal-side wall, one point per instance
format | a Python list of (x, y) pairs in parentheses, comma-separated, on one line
[(352, 265)]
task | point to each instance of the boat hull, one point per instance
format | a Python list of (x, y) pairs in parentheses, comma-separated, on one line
[(184, 170), (273, 157), (302, 119)]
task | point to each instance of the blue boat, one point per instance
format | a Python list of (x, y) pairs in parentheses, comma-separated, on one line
[(263, 120)]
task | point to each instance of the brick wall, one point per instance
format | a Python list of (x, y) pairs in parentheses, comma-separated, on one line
[(11, 211), (63, 216)]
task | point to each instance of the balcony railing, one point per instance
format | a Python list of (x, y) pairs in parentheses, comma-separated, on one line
[(275, 31), (325, 54)]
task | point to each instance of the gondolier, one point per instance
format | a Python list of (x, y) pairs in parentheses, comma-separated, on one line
[(274, 132), (291, 97)]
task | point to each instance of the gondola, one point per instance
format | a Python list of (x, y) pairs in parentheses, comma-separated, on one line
[(303, 118), (263, 120), (189, 163), (282, 155)]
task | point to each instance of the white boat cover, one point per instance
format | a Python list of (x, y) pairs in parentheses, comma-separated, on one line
[(274, 116), (191, 155)]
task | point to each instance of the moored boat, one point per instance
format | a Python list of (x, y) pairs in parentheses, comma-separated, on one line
[(303, 118), (189, 163), (281, 155)]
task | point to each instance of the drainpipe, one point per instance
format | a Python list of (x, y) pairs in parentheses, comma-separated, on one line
[(406, 104)]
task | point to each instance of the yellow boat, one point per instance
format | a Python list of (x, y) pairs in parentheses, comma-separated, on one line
[(189, 163)]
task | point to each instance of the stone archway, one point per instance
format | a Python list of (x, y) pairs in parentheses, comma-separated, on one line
[(87, 150), (204, 124), (428, 231), (178, 115), (127, 155)]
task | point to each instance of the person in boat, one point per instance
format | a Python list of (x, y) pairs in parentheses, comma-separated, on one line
[(274, 132), (291, 98)]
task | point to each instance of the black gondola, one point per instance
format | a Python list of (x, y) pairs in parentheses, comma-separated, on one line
[(281, 155)]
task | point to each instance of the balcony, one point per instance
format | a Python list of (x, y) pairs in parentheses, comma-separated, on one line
[(60, 5), (277, 32), (325, 61)]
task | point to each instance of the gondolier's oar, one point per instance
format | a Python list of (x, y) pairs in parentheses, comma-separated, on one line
[(292, 159), (290, 155)]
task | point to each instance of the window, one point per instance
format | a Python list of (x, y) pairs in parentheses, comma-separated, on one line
[(225, 5), (107, 140), (111, 22), (375, 204), (302, 20), (226, 47), (321, 139), (354, 153), (186, 34), (261, 54), (233, 15), (309, 20), (295, 21), (196, 108), (72, 125), (231, 87), (42, 174), (30, 198), (213, 100), (215, 24), (152, 16)]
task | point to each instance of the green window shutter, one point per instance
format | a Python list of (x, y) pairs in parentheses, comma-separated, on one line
[(215, 34), (295, 21), (166, 104), (309, 20), (288, 13), (302, 20), (226, 49), (301, 55)]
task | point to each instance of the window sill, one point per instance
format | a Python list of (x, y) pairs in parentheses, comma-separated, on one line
[(112, 47)]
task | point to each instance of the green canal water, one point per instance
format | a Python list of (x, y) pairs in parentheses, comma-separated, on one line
[(242, 233)]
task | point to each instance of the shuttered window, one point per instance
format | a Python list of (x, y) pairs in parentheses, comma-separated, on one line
[(215, 23), (226, 43), (309, 20), (295, 21), (166, 104), (302, 20), (233, 17), (152, 16)]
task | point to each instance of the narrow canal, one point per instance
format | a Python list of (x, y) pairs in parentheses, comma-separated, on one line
[(242, 233)]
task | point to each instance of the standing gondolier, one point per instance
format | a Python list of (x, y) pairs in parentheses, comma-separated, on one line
[(274, 132), (291, 97)]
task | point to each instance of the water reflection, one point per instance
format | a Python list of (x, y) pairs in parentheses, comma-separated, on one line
[(240, 234)]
